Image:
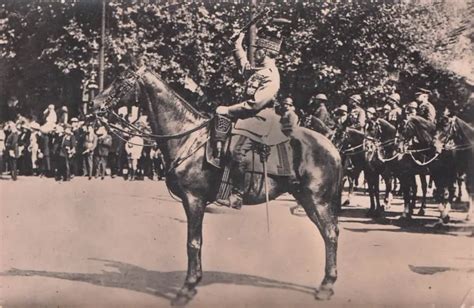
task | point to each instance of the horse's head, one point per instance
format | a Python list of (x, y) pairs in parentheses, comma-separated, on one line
[(416, 127), (124, 90)]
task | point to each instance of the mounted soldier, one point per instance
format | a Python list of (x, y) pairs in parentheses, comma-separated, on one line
[(357, 114), (263, 83), (395, 114), (425, 107)]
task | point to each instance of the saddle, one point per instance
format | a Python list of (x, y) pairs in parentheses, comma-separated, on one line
[(278, 156)]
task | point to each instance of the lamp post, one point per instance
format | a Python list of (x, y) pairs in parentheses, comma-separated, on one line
[(102, 48)]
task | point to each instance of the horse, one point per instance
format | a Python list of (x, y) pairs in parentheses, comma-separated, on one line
[(350, 143), (183, 132), (423, 155), (379, 146), (458, 137)]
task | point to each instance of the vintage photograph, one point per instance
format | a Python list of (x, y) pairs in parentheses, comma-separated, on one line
[(236, 153)]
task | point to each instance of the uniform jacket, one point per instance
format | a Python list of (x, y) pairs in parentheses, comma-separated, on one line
[(104, 143), (68, 145), (11, 144), (394, 116), (322, 113), (427, 111), (261, 87), (357, 117)]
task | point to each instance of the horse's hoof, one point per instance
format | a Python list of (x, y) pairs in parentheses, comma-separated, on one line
[(421, 212), (468, 217), (324, 294), (346, 203), (183, 297)]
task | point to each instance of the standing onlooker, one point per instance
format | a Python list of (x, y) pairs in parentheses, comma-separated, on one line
[(104, 142), (134, 152), (34, 146), (11, 146), (115, 156), (158, 161), (24, 161), (44, 153), (66, 151), (76, 160), (90, 143)]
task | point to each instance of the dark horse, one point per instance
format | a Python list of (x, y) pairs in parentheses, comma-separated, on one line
[(350, 143), (458, 138), (183, 132), (423, 154), (379, 146)]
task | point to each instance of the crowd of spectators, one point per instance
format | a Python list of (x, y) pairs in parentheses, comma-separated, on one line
[(62, 148)]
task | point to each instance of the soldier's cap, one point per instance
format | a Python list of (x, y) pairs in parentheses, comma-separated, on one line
[(422, 91), (371, 110), (74, 120), (356, 98), (270, 43), (321, 96), (394, 97), (387, 107), (343, 108), (412, 105)]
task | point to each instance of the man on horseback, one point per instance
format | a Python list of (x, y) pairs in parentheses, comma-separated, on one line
[(263, 83), (394, 116), (357, 114), (425, 107)]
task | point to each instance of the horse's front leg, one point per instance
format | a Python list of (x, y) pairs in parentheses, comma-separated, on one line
[(194, 208)]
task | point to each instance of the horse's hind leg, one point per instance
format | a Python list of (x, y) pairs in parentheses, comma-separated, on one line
[(424, 186), (194, 208), (323, 215)]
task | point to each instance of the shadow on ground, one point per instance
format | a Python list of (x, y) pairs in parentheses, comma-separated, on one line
[(161, 284), (390, 219)]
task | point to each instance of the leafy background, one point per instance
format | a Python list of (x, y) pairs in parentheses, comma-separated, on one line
[(49, 49)]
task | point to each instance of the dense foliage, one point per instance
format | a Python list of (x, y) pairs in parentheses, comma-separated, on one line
[(49, 49)]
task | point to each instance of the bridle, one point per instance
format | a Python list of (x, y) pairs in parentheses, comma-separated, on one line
[(131, 83)]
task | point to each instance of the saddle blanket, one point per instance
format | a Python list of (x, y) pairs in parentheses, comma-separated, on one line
[(279, 161), (263, 128)]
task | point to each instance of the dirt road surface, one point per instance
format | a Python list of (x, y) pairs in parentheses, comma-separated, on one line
[(113, 243)]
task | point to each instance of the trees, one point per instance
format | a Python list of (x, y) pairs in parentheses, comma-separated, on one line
[(336, 48)]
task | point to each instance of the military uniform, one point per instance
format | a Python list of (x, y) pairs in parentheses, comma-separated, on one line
[(357, 117), (427, 111), (261, 88)]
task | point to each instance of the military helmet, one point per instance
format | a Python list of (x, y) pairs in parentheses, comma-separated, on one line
[(321, 96), (371, 110)]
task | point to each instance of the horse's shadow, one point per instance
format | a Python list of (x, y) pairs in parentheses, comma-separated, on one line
[(157, 283)]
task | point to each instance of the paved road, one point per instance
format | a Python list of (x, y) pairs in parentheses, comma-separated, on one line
[(113, 243)]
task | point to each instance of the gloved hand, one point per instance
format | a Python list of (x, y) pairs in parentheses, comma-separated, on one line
[(223, 110)]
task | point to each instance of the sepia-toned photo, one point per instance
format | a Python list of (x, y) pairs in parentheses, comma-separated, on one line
[(236, 153)]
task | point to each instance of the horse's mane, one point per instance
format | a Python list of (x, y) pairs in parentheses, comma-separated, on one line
[(178, 97), (387, 126), (355, 134), (421, 128), (319, 126)]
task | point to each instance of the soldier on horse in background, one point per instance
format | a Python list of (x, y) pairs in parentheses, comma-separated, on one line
[(263, 83)]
